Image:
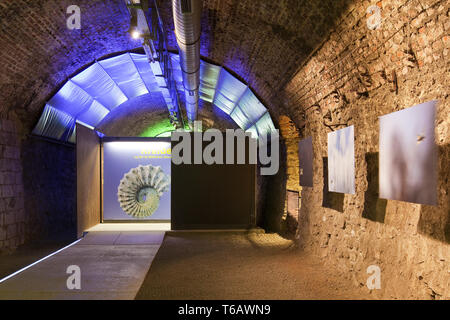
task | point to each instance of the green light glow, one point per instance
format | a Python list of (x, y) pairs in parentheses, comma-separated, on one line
[(157, 128)]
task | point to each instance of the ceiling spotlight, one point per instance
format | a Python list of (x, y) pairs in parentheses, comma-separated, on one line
[(135, 34), (134, 30)]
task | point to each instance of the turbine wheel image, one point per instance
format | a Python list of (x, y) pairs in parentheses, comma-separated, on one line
[(140, 189)]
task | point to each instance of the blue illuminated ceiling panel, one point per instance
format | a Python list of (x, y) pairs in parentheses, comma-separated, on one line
[(209, 75), (176, 71), (248, 110), (54, 124), (124, 72), (228, 91), (141, 63), (240, 118), (265, 124), (88, 97), (94, 115), (100, 86), (71, 99), (253, 131)]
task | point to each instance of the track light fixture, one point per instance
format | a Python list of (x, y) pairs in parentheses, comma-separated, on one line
[(135, 34)]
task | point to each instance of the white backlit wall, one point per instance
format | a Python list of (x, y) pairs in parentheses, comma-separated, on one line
[(89, 96)]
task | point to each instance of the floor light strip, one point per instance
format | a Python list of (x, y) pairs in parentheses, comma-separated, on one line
[(40, 260)]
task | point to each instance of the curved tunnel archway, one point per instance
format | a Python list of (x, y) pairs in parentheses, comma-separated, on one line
[(89, 96), (147, 116)]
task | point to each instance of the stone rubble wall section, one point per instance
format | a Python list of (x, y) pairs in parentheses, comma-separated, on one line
[(354, 77), (12, 212)]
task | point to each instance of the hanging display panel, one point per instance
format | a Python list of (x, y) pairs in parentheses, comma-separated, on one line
[(292, 203), (305, 156), (408, 155), (341, 161), (137, 179)]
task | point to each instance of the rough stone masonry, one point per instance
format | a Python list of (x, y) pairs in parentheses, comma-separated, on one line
[(12, 213), (354, 77), (37, 189), (317, 67)]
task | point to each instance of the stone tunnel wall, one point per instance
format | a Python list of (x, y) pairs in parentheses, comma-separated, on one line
[(354, 77), (38, 52), (50, 186), (37, 189), (12, 213)]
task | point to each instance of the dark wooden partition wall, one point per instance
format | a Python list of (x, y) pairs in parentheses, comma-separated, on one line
[(88, 179), (213, 196), (202, 196)]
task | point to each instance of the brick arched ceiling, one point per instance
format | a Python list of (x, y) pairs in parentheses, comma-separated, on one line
[(263, 42), (146, 115), (38, 52)]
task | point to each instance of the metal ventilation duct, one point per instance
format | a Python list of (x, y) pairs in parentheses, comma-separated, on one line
[(187, 19)]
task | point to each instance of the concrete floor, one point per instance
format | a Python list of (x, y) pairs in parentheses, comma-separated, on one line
[(113, 265), (27, 254), (238, 265)]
